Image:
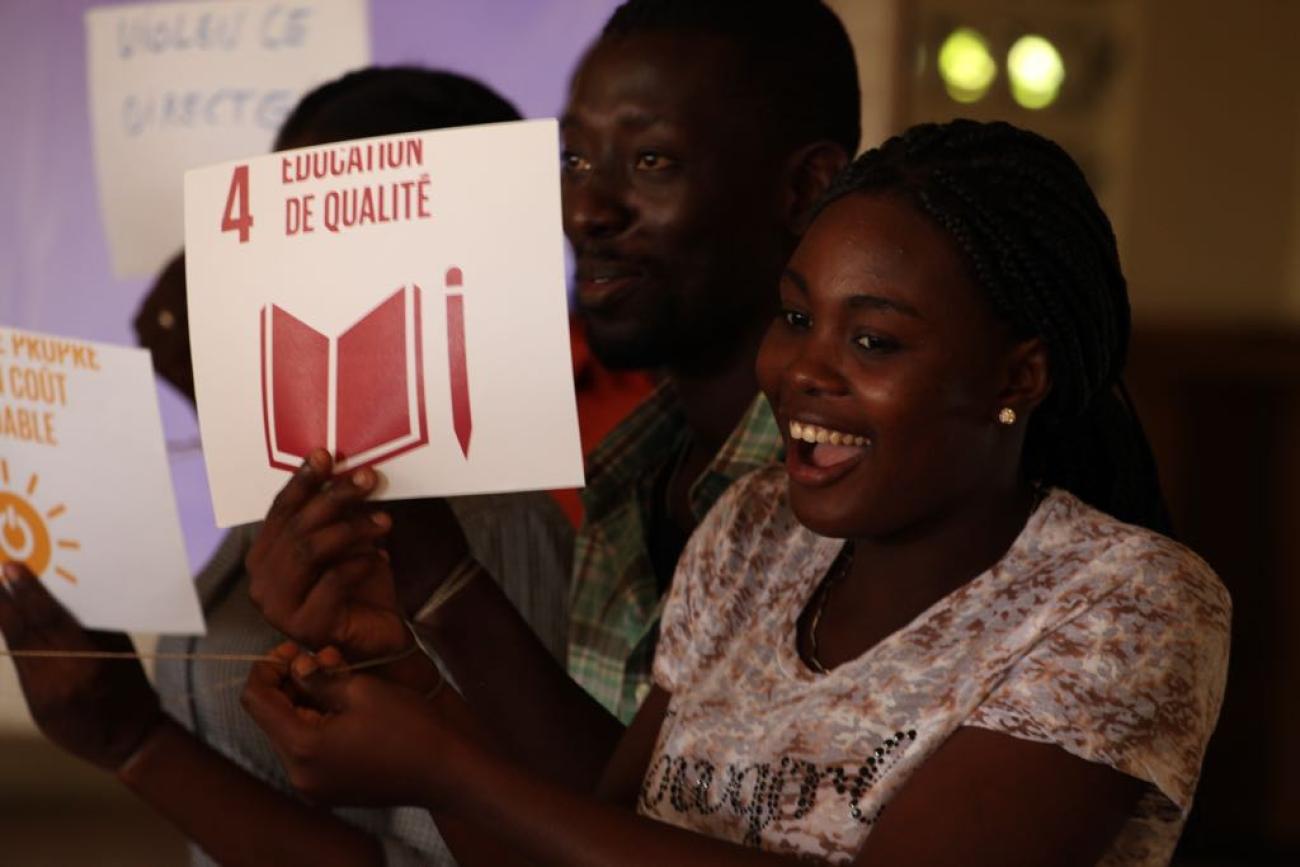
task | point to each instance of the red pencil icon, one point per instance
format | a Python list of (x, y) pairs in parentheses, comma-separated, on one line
[(461, 420)]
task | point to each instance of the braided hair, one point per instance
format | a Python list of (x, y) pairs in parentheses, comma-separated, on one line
[(1037, 241), (796, 51), (386, 100)]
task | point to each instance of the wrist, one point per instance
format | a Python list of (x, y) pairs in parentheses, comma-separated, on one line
[(432, 615), (460, 576), (427, 544), (158, 742), (416, 671), (456, 776), (446, 774)]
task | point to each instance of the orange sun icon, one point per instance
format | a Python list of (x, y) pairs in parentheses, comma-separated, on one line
[(24, 534)]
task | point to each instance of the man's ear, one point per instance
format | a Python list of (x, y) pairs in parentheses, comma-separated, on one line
[(808, 173), (1028, 377)]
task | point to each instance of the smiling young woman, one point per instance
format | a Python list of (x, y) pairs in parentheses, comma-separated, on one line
[(939, 583), (947, 630)]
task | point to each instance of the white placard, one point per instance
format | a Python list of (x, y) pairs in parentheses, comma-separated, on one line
[(177, 85), (85, 493), (399, 300)]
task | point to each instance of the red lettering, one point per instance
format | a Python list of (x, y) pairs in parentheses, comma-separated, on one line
[(237, 197)]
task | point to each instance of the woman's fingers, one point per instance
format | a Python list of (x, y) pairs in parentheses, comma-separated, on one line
[(265, 697), (32, 618), (98, 709), (11, 616), (280, 584), (309, 502), (323, 679), (341, 494), (325, 607), (289, 695), (301, 487), (328, 543)]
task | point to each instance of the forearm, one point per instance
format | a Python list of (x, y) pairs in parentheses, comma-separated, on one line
[(233, 816), (472, 846), (547, 825), (524, 699)]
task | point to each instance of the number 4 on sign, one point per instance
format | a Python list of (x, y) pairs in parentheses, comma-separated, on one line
[(237, 218)]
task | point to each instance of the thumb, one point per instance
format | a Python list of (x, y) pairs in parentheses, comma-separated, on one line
[(28, 609), (323, 679), (11, 616)]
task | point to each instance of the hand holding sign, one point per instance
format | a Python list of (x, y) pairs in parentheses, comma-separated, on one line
[(317, 571), (100, 710), (328, 570), (322, 721), (78, 427)]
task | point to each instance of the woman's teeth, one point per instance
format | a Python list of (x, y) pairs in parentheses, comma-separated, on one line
[(811, 433)]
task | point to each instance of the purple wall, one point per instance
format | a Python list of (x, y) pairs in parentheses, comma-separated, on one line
[(54, 268)]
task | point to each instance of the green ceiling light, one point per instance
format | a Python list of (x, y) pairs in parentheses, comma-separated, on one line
[(966, 65), (1036, 71)]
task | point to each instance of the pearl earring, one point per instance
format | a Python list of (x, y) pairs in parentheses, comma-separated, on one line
[(1007, 416)]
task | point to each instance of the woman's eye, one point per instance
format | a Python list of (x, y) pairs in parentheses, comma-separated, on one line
[(572, 162), (795, 319), (653, 161), (871, 343)]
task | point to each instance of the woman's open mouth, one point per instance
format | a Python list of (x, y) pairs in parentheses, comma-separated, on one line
[(820, 455)]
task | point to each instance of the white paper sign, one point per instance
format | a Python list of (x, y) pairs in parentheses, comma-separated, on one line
[(398, 300), (178, 85), (85, 494)]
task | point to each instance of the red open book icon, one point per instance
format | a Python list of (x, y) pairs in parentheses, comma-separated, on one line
[(360, 395)]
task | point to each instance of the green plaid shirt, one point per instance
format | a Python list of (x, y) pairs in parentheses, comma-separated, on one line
[(615, 601)]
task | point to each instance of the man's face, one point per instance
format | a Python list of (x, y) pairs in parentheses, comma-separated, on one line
[(670, 200)]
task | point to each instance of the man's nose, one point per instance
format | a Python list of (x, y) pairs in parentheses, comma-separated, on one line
[(597, 206)]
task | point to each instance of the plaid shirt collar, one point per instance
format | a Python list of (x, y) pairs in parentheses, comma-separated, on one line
[(615, 597), (655, 433)]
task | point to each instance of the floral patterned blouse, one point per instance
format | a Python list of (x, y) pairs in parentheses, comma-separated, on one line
[(1105, 639)]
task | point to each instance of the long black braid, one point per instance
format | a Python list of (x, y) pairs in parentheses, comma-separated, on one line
[(1040, 245)]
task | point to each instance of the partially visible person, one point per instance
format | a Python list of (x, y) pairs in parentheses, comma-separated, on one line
[(949, 630), (696, 137), (198, 758)]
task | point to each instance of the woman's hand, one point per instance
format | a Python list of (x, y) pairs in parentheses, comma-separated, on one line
[(317, 571), (348, 738), (100, 710)]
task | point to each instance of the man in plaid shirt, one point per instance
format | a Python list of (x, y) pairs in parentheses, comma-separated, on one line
[(697, 136), (677, 264)]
